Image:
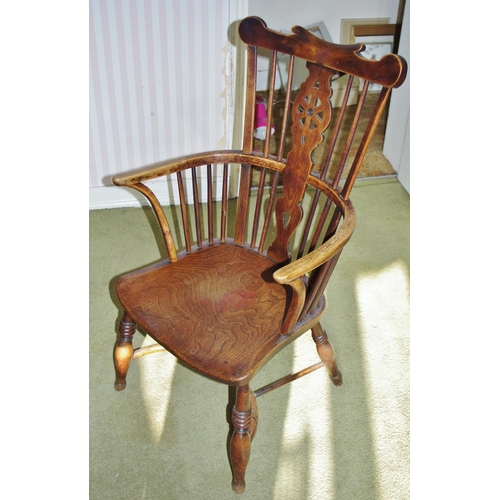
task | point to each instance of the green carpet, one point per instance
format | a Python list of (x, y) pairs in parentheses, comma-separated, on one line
[(164, 436)]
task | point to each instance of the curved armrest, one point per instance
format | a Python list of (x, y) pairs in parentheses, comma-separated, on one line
[(322, 254), (195, 160), (293, 274), (135, 179)]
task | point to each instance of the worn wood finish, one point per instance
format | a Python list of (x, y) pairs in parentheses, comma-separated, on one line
[(123, 351), (326, 353), (241, 438), (242, 281), (287, 379), (215, 309)]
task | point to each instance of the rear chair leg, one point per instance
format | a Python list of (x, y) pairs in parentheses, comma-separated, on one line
[(326, 353), (124, 351)]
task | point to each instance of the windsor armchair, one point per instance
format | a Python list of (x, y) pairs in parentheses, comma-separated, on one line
[(239, 287)]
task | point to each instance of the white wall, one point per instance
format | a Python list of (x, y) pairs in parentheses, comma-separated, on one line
[(156, 81), (162, 76), (162, 85), (283, 14), (397, 134)]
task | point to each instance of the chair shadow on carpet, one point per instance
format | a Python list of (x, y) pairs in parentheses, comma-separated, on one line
[(181, 426)]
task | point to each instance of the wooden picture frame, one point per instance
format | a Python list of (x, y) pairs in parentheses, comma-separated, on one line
[(350, 26), (319, 30)]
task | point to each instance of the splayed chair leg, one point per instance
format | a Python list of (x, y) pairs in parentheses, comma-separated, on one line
[(124, 351), (244, 423), (326, 353)]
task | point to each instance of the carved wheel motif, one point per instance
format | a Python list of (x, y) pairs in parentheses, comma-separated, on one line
[(310, 113), (311, 109)]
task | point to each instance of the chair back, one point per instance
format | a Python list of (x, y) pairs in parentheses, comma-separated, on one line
[(307, 118), (293, 203)]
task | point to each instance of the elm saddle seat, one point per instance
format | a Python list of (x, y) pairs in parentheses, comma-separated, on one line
[(249, 276), (216, 310)]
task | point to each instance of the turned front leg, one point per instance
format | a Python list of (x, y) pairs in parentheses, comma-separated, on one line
[(241, 438), (124, 350), (326, 353)]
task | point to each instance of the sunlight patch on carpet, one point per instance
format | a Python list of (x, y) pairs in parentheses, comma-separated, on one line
[(156, 395), (383, 302), (307, 443)]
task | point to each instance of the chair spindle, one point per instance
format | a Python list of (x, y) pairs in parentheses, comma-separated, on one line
[(288, 98), (270, 104), (223, 218), (185, 220), (196, 204), (352, 132), (210, 208)]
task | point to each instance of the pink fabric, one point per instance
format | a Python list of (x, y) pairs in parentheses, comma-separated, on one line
[(261, 114)]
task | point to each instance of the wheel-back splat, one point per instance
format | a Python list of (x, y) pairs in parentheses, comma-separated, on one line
[(311, 113)]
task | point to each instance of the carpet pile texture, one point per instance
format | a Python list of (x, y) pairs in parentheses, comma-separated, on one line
[(165, 435)]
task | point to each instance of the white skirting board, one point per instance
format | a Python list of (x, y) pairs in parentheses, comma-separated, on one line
[(114, 197), (166, 192)]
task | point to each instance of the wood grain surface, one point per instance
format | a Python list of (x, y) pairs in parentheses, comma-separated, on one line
[(218, 310)]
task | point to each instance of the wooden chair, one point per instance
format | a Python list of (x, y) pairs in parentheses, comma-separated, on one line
[(249, 275)]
